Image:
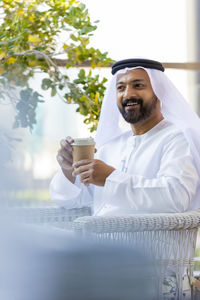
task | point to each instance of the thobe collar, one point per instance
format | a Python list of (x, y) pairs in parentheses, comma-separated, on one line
[(135, 139)]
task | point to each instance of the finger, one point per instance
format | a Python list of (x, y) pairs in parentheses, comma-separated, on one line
[(82, 163), (65, 154), (69, 139), (95, 150), (61, 158), (65, 145), (85, 178), (86, 181), (81, 170), (65, 164)]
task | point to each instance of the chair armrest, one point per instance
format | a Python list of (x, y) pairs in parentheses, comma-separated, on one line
[(138, 222)]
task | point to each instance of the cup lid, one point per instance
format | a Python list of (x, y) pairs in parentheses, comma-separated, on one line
[(83, 141)]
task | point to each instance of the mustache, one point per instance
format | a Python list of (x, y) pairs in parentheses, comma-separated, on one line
[(132, 99)]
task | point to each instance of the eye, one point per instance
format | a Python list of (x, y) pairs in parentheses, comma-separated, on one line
[(120, 88), (139, 85)]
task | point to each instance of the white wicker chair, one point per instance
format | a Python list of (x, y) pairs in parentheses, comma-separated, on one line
[(170, 238)]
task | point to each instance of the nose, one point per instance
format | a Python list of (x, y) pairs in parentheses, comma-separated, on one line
[(129, 92)]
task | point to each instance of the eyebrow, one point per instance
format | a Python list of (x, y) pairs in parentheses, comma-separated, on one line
[(132, 81)]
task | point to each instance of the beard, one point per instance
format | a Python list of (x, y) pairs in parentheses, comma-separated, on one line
[(136, 115)]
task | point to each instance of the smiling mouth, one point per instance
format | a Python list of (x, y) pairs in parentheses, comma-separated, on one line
[(131, 105)]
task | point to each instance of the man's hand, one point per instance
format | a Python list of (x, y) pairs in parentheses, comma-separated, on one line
[(64, 158), (92, 171)]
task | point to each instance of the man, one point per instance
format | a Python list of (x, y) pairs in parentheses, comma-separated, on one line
[(153, 165)]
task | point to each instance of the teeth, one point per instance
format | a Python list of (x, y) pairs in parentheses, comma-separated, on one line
[(130, 104)]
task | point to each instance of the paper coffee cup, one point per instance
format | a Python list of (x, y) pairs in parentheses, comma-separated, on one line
[(83, 148)]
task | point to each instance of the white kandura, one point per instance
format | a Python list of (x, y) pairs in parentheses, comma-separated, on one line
[(155, 172)]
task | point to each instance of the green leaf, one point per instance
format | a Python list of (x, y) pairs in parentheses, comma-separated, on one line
[(46, 83), (81, 74), (13, 39), (82, 6), (53, 91), (2, 36), (73, 37)]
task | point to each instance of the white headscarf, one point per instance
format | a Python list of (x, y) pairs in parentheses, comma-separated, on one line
[(174, 108)]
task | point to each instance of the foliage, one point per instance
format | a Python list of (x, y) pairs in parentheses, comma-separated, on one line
[(29, 42)]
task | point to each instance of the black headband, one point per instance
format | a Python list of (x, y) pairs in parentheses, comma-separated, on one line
[(136, 62)]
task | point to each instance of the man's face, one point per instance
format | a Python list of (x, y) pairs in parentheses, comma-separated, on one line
[(135, 97)]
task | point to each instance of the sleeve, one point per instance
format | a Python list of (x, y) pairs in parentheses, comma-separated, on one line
[(69, 195), (172, 190)]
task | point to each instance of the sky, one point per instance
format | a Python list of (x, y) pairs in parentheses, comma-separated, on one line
[(153, 29)]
